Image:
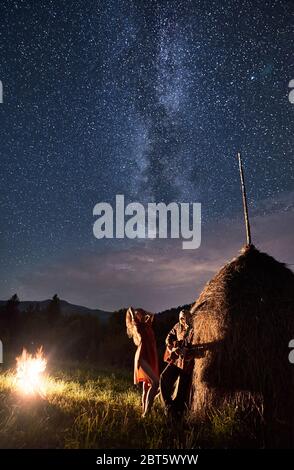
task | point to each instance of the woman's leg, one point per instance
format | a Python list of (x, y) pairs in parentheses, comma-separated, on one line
[(153, 389), (145, 390)]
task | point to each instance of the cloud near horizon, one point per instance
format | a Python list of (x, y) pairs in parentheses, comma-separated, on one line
[(158, 274)]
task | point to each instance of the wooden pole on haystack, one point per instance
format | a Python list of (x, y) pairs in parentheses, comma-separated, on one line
[(244, 196)]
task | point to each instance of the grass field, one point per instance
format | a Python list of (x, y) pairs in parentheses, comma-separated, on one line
[(88, 408), (82, 409)]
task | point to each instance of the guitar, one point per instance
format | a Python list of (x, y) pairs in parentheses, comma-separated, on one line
[(181, 351)]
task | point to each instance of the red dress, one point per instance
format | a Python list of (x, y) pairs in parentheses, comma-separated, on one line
[(147, 351)]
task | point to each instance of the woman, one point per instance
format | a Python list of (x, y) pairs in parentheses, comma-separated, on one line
[(139, 327)]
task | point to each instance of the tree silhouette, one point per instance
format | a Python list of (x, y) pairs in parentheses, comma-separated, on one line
[(54, 309), (10, 318)]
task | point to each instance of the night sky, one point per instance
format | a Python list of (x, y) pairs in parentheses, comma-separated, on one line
[(150, 99)]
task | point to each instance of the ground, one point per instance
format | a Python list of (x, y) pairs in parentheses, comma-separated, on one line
[(91, 408), (83, 408)]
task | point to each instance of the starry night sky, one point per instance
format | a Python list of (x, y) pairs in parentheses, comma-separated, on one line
[(150, 99)]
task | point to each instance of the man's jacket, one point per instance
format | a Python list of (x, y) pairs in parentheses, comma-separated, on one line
[(178, 344)]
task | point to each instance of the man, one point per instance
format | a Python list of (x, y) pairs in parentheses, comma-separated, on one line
[(180, 359)]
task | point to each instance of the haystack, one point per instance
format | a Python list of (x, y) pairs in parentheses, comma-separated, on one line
[(244, 318)]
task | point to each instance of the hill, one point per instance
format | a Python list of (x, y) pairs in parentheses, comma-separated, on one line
[(66, 308)]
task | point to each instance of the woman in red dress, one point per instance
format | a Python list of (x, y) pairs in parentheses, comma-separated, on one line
[(139, 327)]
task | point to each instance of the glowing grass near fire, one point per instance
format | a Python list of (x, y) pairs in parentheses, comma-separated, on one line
[(30, 373), (90, 408)]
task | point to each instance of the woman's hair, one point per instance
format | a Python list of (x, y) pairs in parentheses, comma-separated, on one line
[(130, 322), (133, 318)]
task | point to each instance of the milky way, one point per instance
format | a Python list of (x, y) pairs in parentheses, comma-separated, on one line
[(147, 99)]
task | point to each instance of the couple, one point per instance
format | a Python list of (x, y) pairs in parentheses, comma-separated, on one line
[(178, 355)]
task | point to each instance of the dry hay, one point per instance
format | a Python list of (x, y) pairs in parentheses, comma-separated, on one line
[(244, 318)]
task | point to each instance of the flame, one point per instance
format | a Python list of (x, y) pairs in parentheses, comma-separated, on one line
[(30, 372)]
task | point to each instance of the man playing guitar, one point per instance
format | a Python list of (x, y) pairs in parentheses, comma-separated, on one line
[(180, 358)]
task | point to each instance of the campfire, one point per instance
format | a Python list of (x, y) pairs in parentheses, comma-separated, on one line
[(30, 369)]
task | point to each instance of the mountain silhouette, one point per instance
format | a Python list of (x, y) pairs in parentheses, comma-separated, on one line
[(66, 308)]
